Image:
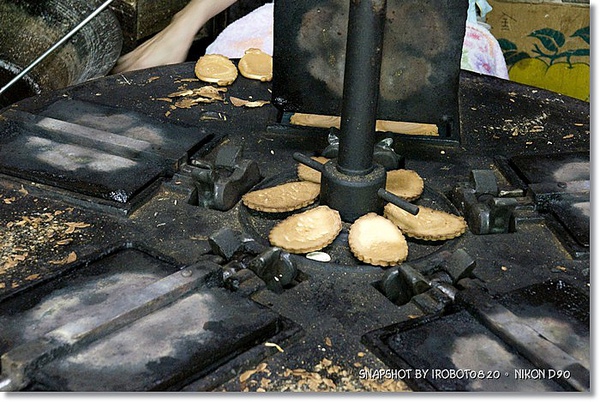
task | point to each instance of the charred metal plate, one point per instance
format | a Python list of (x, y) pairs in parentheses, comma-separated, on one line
[(575, 213), (448, 354), (553, 168), (93, 150), (474, 350), (557, 310), (168, 324), (560, 184), (185, 340), (420, 68), (27, 317)]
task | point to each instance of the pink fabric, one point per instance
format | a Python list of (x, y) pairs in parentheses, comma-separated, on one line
[(481, 51)]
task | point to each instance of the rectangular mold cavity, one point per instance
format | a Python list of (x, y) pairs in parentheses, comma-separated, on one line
[(459, 352)]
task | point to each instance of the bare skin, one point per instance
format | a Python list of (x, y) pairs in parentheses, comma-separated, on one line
[(172, 44)]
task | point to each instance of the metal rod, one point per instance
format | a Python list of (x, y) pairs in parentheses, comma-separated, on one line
[(397, 201), (305, 160), (55, 46), (361, 86)]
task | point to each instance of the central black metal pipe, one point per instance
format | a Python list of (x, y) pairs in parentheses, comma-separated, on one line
[(361, 86), (350, 183)]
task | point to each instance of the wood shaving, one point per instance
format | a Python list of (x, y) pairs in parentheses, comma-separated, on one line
[(247, 103), (274, 345), (25, 239), (72, 257), (186, 98), (246, 375), (207, 91), (73, 226), (188, 80), (325, 376), (261, 368)]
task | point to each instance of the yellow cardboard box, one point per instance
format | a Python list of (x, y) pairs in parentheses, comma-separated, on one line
[(546, 43)]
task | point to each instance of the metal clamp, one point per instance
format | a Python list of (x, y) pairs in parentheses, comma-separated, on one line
[(383, 153), (484, 209), (221, 184), (275, 267), (432, 292)]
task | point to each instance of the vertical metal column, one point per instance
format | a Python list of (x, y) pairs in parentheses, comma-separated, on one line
[(361, 86), (349, 184)]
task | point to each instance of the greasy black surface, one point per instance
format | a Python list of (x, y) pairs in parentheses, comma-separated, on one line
[(334, 304)]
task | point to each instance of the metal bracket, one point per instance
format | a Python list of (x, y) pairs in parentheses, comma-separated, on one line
[(432, 292), (275, 267), (485, 210), (221, 184), (383, 154)]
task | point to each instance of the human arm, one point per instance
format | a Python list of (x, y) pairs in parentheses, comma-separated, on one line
[(172, 44)]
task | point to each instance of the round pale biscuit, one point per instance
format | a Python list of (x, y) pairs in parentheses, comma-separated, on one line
[(256, 65), (406, 184), (216, 69), (310, 174), (283, 197), (377, 241), (428, 224), (307, 231)]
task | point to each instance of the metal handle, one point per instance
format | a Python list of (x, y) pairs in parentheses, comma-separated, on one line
[(397, 201), (305, 160)]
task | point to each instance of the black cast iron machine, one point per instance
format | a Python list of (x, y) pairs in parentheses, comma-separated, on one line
[(159, 278)]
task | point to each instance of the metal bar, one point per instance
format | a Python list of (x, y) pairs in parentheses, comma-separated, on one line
[(361, 86), (305, 160), (397, 201), (55, 46)]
